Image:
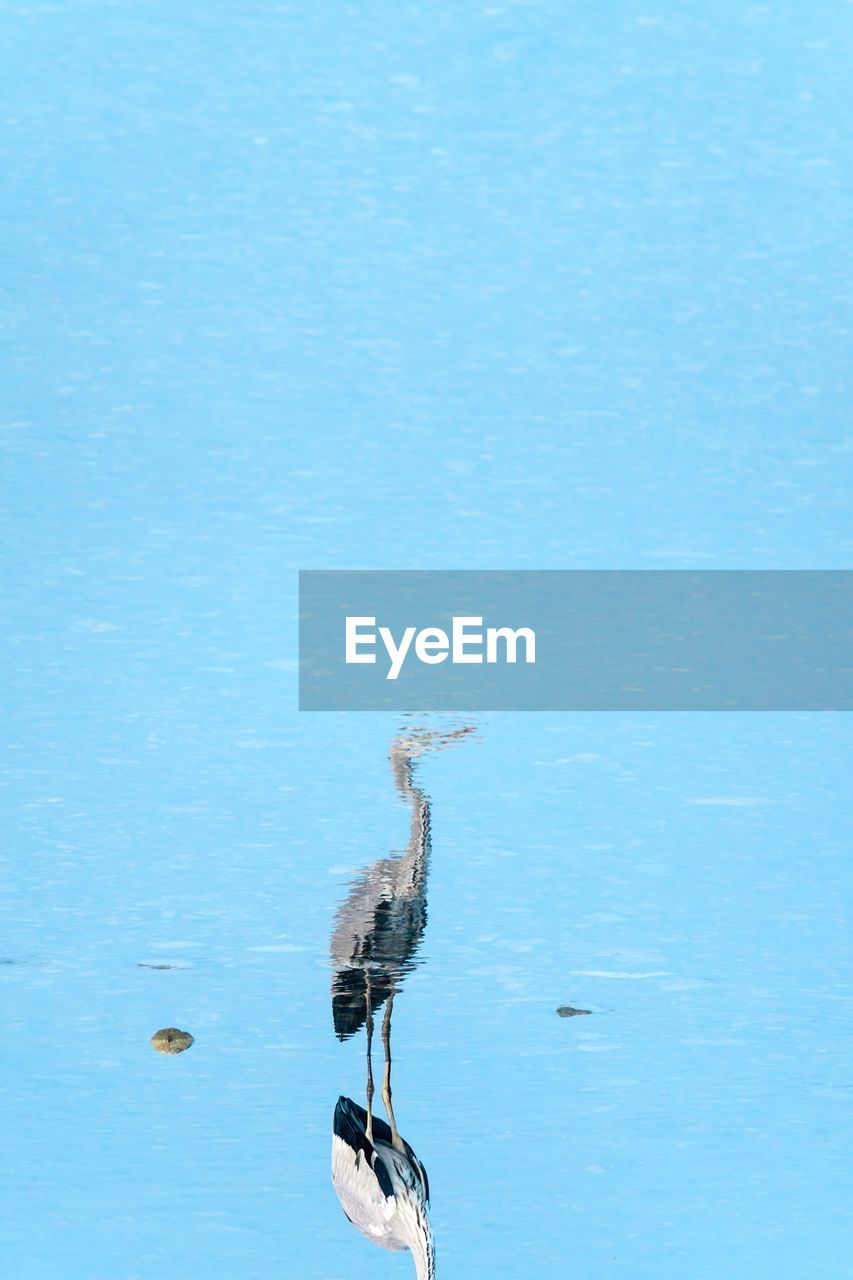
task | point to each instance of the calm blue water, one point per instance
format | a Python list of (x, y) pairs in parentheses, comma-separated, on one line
[(415, 286)]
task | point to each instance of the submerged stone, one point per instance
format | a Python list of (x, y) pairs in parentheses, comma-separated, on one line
[(171, 1040)]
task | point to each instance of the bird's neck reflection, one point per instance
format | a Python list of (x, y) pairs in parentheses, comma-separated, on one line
[(380, 1182)]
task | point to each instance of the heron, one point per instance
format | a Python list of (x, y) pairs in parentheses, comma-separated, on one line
[(381, 1184), (381, 923)]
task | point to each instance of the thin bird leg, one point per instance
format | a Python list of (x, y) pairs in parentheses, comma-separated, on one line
[(369, 1128), (396, 1140)]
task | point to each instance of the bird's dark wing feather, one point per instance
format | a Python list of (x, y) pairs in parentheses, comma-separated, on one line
[(417, 1174), (350, 1127), (423, 1172)]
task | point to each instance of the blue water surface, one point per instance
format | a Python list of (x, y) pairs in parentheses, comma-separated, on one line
[(460, 285)]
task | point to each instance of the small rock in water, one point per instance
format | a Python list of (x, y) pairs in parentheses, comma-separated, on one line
[(566, 1011), (171, 1040)]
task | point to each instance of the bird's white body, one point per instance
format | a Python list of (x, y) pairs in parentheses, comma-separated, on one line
[(383, 1189)]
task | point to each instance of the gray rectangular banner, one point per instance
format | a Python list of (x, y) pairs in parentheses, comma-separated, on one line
[(576, 640)]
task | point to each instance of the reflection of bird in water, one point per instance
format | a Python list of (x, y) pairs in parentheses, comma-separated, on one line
[(382, 921), (380, 1182)]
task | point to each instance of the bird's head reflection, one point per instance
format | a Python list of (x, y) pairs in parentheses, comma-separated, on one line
[(380, 1182)]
